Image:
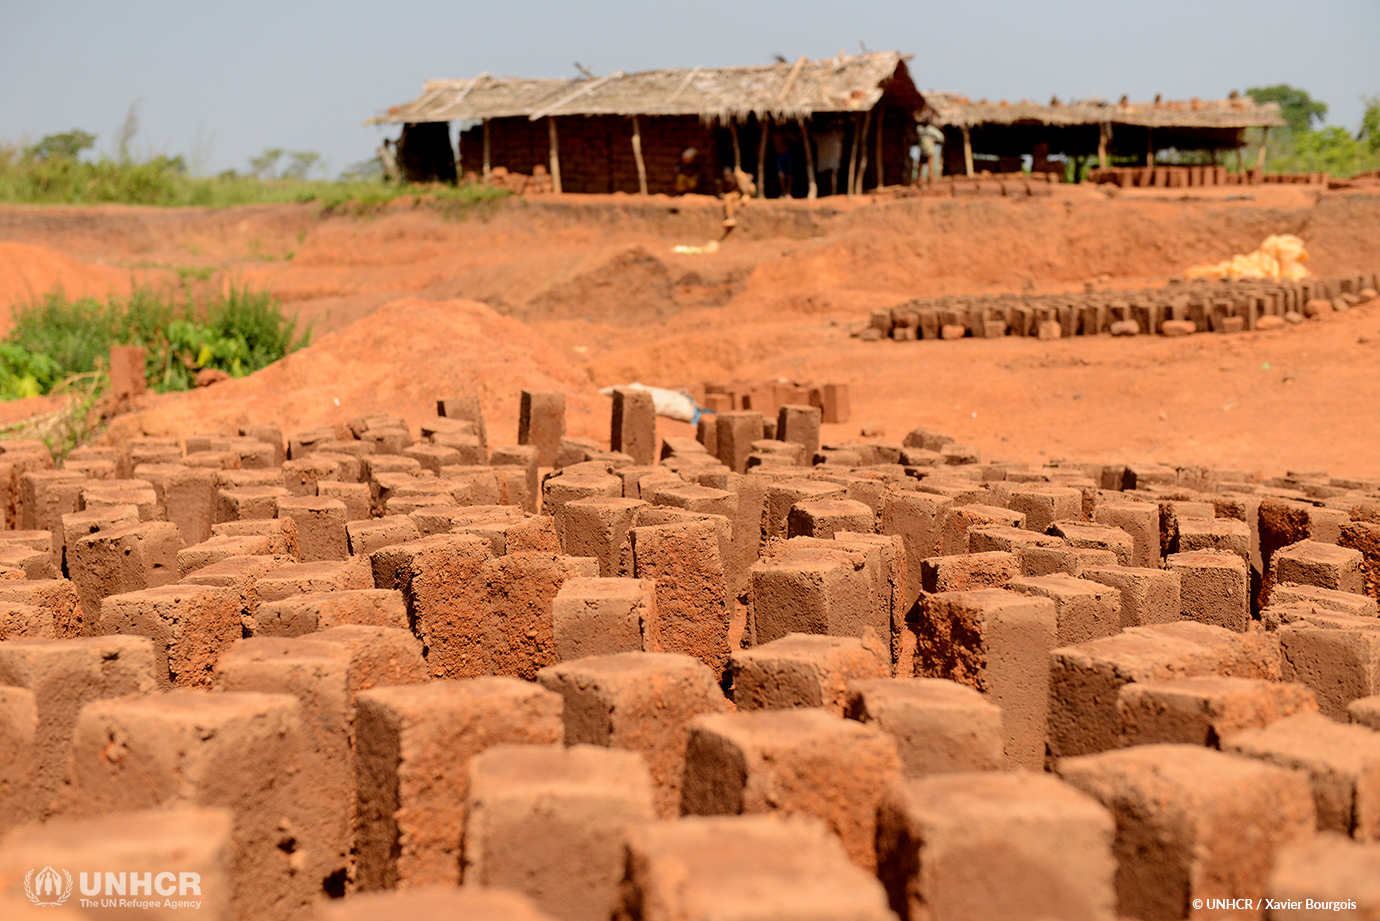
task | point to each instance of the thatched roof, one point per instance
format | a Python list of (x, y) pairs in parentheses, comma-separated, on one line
[(784, 91), (951, 109)]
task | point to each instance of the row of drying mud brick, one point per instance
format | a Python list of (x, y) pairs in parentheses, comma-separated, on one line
[(767, 397), (895, 682), (1178, 177), (1179, 309)]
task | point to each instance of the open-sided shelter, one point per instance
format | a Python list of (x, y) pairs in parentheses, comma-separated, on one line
[(626, 132), (1006, 132)]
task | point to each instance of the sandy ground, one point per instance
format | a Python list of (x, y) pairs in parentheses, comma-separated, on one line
[(582, 292)]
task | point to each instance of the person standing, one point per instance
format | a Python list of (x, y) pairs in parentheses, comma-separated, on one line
[(688, 171), (930, 140), (829, 155)]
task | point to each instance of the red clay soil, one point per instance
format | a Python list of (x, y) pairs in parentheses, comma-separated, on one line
[(592, 294)]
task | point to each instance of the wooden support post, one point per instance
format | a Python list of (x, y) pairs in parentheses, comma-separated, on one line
[(737, 151), (763, 127), (1104, 139), (881, 120), (1149, 146), (848, 187), (862, 154), (486, 150), (967, 150), (809, 158), (637, 158), (555, 154)]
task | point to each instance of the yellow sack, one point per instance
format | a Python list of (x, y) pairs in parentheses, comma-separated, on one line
[(1280, 256)]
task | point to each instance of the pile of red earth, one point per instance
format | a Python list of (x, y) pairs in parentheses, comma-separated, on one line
[(1182, 308), (378, 671)]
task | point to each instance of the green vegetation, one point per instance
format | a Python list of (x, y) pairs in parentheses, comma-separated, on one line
[(56, 338), (53, 171), (1299, 147)]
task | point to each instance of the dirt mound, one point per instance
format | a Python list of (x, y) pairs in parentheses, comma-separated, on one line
[(398, 360), (28, 272)]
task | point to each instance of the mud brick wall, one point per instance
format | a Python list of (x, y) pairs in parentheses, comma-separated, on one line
[(353, 673)]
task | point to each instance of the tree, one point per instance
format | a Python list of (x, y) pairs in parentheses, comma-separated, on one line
[(265, 165), (1297, 108), (301, 163), (65, 146), (1370, 124)]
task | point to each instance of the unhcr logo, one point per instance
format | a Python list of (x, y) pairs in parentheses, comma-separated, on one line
[(48, 886)]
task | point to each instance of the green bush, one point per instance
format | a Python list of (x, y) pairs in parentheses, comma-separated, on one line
[(56, 338)]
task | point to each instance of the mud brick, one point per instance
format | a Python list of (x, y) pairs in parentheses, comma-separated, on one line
[(999, 643), (438, 903), (415, 500), (254, 454), (1342, 763), (967, 571), (238, 479), (322, 576), (440, 519), (1365, 537), (321, 533), (693, 616), (1214, 588), (1048, 561), (800, 425), (1281, 522), (1081, 535), (1311, 562), (1044, 505), (638, 701), (823, 518), (959, 519), (833, 402), (32, 564), (572, 451), (1325, 599), (547, 821), (306, 614), (279, 532), (412, 750), (1141, 520), (212, 460), (482, 482), (123, 559), (1143, 476), (219, 549), (25, 621), (368, 535), (1325, 874), (1226, 534), (1056, 844), (1086, 679), (816, 590), (520, 534), (1192, 823), (238, 751), (1148, 596), (151, 451), (707, 428), (541, 423), (801, 670), (795, 762), (1365, 711), (1204, 711), (241, 574), (248, 502), (138, 493), (633, 425), (57, 601), (325, 673), (190, 846), (32, 540), (891, 586), (568, 487), (77, 525), (301, 475), (987, 538), (1336, 655), (268, 434), (41, 503), (735, 432), (1084, 610), (189, 625), (962, 491), (388, 440), (939, 726), (441, 580), (517, 636), (771, 452), (524, 456), (752, 868), (63, 677), (592, 617), (20, 770), (784, 495), (514, 489), (919, 521), (635, 477), (435, 456), (837, 457)]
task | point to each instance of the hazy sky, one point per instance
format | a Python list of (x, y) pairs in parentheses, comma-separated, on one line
[(221, 82)]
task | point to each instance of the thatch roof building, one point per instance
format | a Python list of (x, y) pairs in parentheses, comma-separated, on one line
[(647, 119), (1123, 129)]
